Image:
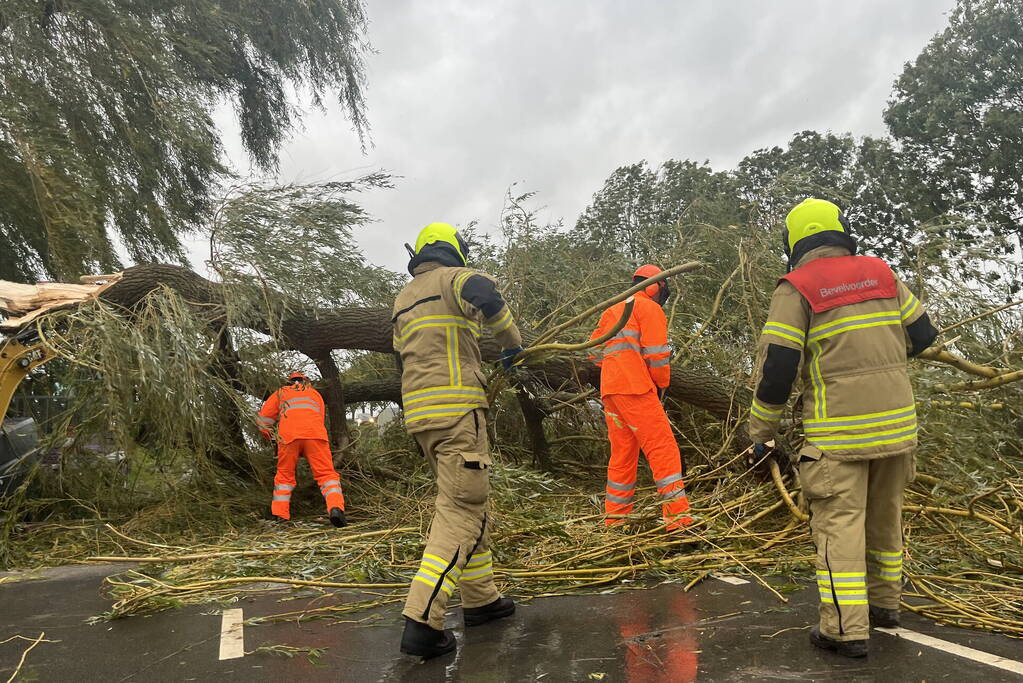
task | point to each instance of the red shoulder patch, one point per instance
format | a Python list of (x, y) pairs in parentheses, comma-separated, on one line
[(835, 281)]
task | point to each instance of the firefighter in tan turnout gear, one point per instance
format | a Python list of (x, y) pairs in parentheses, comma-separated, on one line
[(438, 320), (846, 325)]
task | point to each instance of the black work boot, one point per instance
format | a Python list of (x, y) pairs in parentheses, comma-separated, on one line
[(885, 618), (498, 609), (337, 517), (846, 648), (422, 641)]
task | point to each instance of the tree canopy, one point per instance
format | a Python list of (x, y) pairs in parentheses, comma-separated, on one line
[(107, 142)]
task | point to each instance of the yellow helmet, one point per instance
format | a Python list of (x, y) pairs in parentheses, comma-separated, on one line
[(442, 232), (811, 217)]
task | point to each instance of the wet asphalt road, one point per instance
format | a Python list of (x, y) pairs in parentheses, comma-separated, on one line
[(716, 632)]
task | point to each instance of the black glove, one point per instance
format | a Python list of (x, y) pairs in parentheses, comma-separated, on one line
[(508, 357)]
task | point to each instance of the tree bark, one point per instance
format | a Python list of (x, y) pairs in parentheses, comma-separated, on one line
[(334, 400), (534, 417), (318, 331)]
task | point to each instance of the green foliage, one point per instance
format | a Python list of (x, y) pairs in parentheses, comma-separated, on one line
[(298, 241), (957, 111), (106, 135)]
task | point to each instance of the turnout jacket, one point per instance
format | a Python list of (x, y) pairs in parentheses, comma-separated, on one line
[(637, 359), (846, 325), (298, 414), (438, 319)]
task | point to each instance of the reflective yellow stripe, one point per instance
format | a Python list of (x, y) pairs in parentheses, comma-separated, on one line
[(415, 411), (457, 361), (446, 396), (427, 417), (882, 442), (838, 428), (906, 314), (412, 394), (849, 319), (880, 553), (842, 325), (448, 350), (437, 321), (864, 435), (840, 575), (502, 319), (763, 413), (770, 411), (820, 409), (459, 282), (864, 416), (785, 332)]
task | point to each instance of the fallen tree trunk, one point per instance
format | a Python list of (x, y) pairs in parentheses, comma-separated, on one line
[(317, 331)]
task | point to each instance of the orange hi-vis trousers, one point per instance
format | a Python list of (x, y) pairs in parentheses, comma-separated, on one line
[(317, 452), (637, 422)]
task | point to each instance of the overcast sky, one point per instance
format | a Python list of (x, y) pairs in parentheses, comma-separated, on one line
[(467, 97)]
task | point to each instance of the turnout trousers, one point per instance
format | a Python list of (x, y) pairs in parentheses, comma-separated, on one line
[(637, 422), (317, 452), (457, 553), (856, 523)]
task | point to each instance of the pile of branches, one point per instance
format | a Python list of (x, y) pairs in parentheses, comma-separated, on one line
[(170, 366), (963, 557)]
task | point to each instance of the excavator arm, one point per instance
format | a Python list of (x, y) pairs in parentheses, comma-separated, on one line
[(19, 355)]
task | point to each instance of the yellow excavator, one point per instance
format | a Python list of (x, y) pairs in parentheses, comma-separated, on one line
[(19, 355)]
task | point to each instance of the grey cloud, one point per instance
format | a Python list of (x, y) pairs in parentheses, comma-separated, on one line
[(466, 98)]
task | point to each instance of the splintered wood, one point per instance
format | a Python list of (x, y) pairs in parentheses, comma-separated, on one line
[(24, 303)]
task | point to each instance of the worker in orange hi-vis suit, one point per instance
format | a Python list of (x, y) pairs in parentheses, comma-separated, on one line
[(634, 365), (297, 410)]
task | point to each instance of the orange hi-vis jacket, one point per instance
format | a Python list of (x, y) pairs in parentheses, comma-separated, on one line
[(637, 359), (298, 414)]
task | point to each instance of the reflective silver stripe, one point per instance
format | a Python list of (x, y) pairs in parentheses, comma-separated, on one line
[(905, 413), (655, 349), (890, 318), (301, 399), (624, 488), (332, 482), (620, 345), (850, 599), (626, 333), (858, 579), (451, 391), (333, 489), (477, 574), (442, 410), (670, 479), (618, 499), (677, 493), (906, 432), (478, 560), (658, 363), (426, 577), (281, 499), (264, 420), (785, 332), (284, 487)]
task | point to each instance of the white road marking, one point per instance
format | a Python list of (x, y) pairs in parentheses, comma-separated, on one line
[(232, 637), (734, 580), (958, 650)]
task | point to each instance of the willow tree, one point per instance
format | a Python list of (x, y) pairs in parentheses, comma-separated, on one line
[(957, 111), (106, 129)]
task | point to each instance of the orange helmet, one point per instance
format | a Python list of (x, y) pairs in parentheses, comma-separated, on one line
[(298, 374), (659, 291)]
